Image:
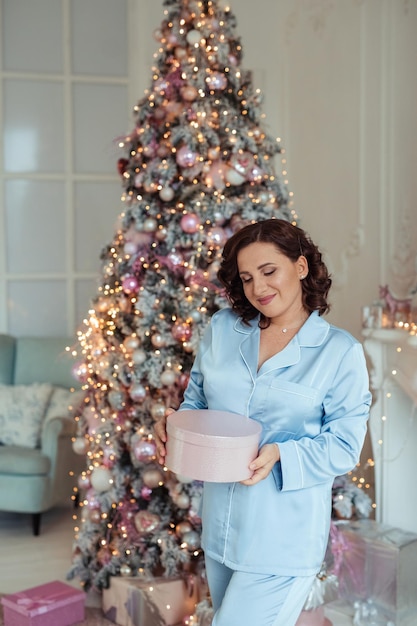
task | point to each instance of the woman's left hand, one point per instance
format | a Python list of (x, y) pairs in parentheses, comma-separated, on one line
[(263, 464)]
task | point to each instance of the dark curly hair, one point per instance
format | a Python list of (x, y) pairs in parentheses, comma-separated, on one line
[(291, 241)]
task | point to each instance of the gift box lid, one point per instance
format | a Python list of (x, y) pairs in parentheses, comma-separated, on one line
[(43, 598), (210, 428)]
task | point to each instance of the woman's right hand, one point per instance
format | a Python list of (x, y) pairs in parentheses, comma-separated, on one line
[(160, 435)]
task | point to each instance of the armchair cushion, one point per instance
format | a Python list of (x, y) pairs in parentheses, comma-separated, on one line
[(14, 460), (22, 409)]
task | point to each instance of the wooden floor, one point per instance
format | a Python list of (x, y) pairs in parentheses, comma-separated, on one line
[(26, 561)]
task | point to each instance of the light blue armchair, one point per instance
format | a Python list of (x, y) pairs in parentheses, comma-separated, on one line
[(35, 479)]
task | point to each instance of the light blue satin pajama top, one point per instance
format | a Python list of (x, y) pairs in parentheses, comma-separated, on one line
[(313, 399)]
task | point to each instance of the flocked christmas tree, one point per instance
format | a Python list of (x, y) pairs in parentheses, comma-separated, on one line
[(197, 166)]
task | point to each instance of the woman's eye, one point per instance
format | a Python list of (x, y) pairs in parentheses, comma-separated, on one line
[(245, 280), (269, 272)]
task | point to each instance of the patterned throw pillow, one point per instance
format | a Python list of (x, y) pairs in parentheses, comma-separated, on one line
[(60, 401), (22, 409)]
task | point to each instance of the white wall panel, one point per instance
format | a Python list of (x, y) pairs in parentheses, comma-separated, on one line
[(97, 206), (99, 119), (35, 226), (32, 35), (98, 44), (37, 308), (33, 126)]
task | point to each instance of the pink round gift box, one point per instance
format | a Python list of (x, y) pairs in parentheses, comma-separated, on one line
[(213, 446)]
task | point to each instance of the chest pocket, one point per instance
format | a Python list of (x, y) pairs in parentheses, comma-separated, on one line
[(293, 410)]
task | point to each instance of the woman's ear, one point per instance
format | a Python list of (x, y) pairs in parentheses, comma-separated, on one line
[(302, 265)]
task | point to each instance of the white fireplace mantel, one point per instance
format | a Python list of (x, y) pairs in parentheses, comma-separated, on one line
[(392, 356)]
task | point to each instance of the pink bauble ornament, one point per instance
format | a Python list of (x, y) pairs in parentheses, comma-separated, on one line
[(130, 248), (180, 53), (189, 93), (83, 481), (159, 114), (158, 410), (216, 81), (92, 500), (187, 347), (109, 457), (216, 174), (186, 157), (131, 343), (163, 150), (181, 331), (256, 174), (95, 516), (153, 478), (158, 340), (183, 380), (80, 371), (213, 153), (137, 392), (242, 162), (144, 450), (130, 284), (146, 493), (146, 522), (162, 233), (175, 258), (190, 223), (216, 237)]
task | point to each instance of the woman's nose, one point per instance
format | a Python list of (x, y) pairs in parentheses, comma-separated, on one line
[(259, 285)]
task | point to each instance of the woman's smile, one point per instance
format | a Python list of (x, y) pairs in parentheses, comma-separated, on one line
[(266, 300)]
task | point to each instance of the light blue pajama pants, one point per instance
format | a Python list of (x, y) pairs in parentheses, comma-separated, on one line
[(246, 599)]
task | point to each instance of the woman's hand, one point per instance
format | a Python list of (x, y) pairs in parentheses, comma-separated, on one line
[(263, 464), (160, 435)]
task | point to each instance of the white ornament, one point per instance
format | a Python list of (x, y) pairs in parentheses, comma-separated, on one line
[(80, 445), (234, 178), (139, 357), (131, 343), (166, 194), (168, 377), (194, 37), (101, 479)]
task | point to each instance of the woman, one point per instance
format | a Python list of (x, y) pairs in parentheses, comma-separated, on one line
[(272, 357)]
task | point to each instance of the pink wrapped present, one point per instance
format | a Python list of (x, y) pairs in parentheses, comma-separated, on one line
[(214, 446), (377, 565), (313, 617), (161, 601), (46, 605)]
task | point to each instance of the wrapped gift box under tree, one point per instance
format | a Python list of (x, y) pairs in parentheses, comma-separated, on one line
[(157, 602), (377, 563), (45, 605)]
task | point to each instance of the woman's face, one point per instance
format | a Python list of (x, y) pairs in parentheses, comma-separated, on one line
[(272, 282)]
